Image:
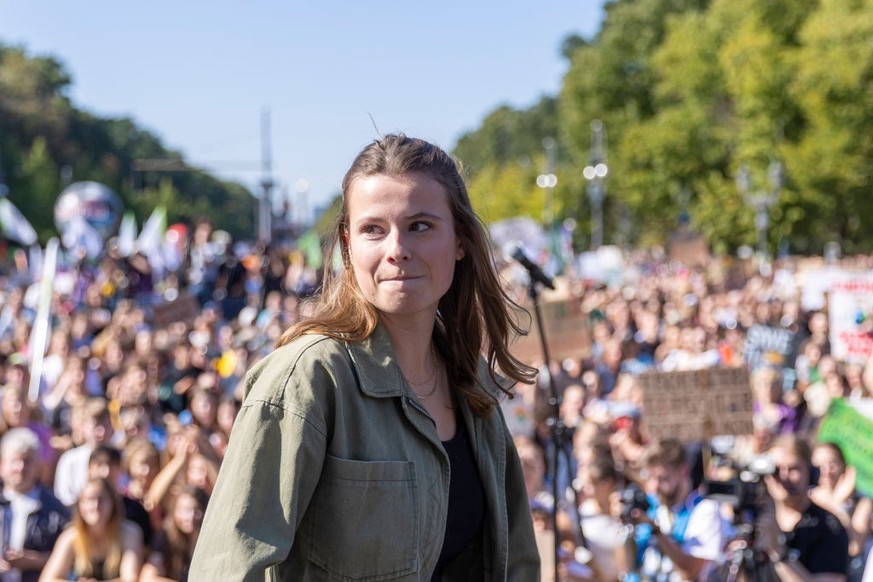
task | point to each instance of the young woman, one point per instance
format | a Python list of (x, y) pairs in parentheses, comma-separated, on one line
[(142, 463), (370, 444), (99, 544), (171, 557), (835, 492)]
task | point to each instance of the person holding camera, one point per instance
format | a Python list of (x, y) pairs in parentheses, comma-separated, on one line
[(680, 534), (804, 541)]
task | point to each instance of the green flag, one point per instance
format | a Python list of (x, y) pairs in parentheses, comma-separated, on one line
[(853, 432)]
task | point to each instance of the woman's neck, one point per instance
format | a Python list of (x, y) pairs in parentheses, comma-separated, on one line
[(411, 341)]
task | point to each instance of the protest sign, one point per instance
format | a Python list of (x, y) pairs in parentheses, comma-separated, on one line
[(850, 308), (184, 309), (697, 405), (566, 331), (853, 432), (767, 345)]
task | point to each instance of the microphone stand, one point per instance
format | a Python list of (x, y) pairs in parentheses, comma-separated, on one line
[(557, 429)]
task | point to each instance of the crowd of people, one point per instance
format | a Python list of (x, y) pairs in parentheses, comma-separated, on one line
[(773, 503), (107, 467), (110, 449)]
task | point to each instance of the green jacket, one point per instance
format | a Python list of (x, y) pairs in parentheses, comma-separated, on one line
[(335, 472)]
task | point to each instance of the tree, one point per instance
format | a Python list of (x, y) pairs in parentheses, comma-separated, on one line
[(41, 131), (37, 190), (832, 161)]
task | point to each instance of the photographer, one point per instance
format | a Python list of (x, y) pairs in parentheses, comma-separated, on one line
[(804, 541), (681, 534)]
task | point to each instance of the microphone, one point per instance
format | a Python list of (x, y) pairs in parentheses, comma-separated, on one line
[(536, 274)]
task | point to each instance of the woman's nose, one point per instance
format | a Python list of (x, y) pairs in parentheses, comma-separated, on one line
[(398, 247)]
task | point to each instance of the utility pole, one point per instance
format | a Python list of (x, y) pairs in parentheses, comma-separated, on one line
[(265, 210), (595, 173), (761, 200)]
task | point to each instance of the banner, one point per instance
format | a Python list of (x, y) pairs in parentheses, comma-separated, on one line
[(853, 432), (768, 346), (695, 406), (850, 315)]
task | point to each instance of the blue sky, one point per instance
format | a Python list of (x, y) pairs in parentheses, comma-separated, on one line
[(199, 75)]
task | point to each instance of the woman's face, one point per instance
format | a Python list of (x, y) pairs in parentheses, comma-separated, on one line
[(143, 467), (829, 465), (204, 409), (15, 411), (402, 242), (95, 504), (198, 472), (187, 514)]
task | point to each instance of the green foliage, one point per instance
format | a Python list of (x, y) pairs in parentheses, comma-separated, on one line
[(690, 91), (509, 136), (41, 132), (40, 185)]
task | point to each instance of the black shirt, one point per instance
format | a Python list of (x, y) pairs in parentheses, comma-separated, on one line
[(820, 542), (466, 500)]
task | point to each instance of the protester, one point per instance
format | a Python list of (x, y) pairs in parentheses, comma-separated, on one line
[(331, 462), (72, 469), (682, 535), (835, 492), (105, 463), (33, 518), (171, 557), (141, 462), (601, 529), (805, 542), (99, 544)]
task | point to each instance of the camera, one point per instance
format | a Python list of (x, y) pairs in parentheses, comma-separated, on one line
[(746, 491), (633, 497), (747, 495)]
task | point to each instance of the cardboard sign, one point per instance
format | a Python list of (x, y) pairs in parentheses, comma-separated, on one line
[(853, 432), (697, 405), (183, 309), (566, 331), (689, 248)]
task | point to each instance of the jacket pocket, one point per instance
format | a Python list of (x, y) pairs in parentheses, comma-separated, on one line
[(364, 522)]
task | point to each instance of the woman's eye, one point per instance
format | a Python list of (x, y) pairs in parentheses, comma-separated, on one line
[(419, 226), (371, 229)]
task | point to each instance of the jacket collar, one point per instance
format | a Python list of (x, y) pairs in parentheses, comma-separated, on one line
[(376, 365), (379, 374)]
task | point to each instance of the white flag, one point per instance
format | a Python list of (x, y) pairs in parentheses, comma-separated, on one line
[(127, 235), (14, 225)]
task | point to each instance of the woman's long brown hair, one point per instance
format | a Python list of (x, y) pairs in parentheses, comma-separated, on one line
[(475, 316)]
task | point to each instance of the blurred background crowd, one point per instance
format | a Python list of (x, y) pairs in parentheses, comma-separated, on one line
[(110, 446)]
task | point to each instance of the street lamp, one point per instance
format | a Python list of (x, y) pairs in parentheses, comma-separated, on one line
[(595, 172), (761, 201), (547, 181)]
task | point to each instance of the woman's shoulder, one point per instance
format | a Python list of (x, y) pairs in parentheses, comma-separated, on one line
[(65, 540), (308, 359), (302, 350)]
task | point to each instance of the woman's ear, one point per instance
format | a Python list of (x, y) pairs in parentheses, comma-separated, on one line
[(345, 247)]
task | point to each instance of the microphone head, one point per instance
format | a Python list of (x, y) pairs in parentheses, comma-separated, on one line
[(515, 250)]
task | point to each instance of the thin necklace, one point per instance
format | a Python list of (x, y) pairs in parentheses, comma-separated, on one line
[(434, 376), (436, 383), (433, 369)]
